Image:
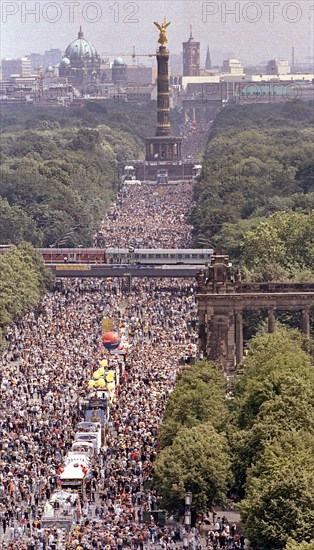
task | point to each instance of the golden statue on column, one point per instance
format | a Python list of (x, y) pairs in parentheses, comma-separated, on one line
[(162, 28)]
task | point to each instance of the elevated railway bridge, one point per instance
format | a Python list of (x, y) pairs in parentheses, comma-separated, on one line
[(123, 271)]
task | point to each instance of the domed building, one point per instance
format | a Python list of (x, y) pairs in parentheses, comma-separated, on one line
[(118, 71), (81, 63)]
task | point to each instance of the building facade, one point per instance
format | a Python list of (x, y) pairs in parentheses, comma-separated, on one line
[(81, 62), (278, 66), (232, 66), (21, 66), (191, 57)]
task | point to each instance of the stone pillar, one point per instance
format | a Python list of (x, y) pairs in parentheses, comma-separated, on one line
[(305, 322), (202, 332), (271, 320), (163, 108), (220, 337), (129, 280), (239, 337)]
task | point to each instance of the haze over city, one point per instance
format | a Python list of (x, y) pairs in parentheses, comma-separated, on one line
[(250, 31)]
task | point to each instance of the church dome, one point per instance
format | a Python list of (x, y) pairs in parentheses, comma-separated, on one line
[(65, 62), (80, 48), (118, 61)]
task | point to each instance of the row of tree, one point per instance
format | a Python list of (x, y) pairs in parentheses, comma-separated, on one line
[(127, 117), (59, 174), (273, 440), (23, 280), (258, 165), (258, 443), (194, 453), (56, 184)]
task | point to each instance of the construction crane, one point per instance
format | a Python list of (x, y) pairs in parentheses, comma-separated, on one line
[(40, 77), (134, 55)]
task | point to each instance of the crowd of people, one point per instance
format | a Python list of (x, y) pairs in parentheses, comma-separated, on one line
[(194, 134), (149, 216), (44, 372)]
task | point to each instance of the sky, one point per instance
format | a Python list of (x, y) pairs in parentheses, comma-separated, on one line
[(251, 31)]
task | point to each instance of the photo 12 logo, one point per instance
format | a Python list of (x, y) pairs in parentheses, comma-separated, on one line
[(69, 11), (252, 12), (254, 92)]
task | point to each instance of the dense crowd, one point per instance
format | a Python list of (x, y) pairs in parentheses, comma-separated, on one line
[(44, 376), (194, 135), (43, 379), (149, 216), (43, 373)]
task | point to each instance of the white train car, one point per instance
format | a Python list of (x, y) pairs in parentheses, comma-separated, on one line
[(160, 256)]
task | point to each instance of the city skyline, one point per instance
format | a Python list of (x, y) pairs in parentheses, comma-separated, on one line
[(250, 31)]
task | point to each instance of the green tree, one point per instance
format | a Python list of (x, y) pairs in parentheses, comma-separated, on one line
[(23, 278), (197, 461), (293, 545), (16, 225), (277, 240), (253, 170), (273, 396), (291, 411), (58, 188), (199, 396), (273, 361), (279, 500)]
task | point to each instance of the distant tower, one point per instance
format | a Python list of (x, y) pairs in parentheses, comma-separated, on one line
[(163, 146), (191, 56), (163, 96), (292, 60), (208, 63)]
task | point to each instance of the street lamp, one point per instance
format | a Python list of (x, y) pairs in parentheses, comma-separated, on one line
[(187, 518), (188, 499)]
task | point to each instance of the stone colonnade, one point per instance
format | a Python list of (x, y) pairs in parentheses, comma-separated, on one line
[(222, 298), (271, 319), (221, 322)]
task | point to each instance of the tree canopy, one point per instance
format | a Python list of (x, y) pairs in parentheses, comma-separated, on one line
[(199, 396), (255, 197), (293, 545), (60, 175), (197, 461), (273, 440), (279, 498), (23, 279), (194, 453)]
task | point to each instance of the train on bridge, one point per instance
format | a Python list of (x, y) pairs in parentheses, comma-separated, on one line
[(119, 256)]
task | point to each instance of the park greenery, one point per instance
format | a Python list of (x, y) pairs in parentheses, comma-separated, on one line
[(255, 197), (293, 545), (272, 440), (61, 169), (23, 280), (194, 453), (257, 445)]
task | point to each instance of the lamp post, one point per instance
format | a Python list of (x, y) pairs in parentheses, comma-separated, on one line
[(187, 518)]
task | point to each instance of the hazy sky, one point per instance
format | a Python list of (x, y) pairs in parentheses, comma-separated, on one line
[(249, 30)]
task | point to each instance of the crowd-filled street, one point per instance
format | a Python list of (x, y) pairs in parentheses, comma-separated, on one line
[(51, 355), (150, 216)]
